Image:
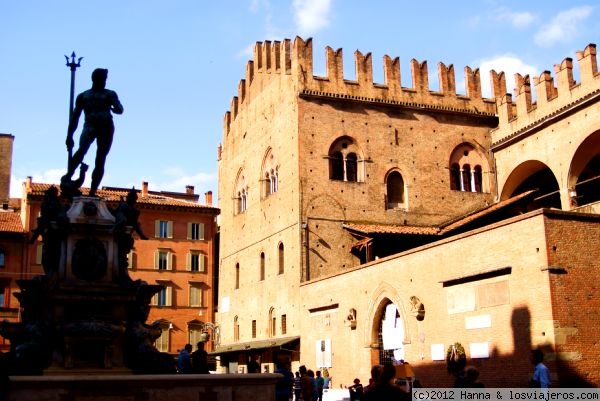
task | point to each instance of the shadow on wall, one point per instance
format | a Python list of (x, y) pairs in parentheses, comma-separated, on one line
[(510, 370)]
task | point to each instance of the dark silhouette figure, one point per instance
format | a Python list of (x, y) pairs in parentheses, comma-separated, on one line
[(284, 385), (52, 226), (70, 188), (253, 365), (184, 362), (126, 219), (200, 359), (97, 103), (386, 389), (356, 390), (541, 374)]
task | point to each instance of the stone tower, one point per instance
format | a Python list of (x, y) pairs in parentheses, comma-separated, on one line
[(6, 148), (310, 165)]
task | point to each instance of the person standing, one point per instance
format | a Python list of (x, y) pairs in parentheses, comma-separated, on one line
[(386, 389), (184, 361), (297, 387), (283, 387), (320, 384), (306, 383), (200, 360), (356, 390), (541, 373)]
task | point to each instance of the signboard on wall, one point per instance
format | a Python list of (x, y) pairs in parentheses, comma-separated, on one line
[(323, 353)]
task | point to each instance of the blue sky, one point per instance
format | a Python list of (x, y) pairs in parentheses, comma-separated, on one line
[(176, 65)]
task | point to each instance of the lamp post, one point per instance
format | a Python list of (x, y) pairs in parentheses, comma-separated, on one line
[(73, 66), (205, 336)]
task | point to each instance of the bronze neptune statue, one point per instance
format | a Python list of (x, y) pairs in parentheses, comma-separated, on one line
[(97, 104)]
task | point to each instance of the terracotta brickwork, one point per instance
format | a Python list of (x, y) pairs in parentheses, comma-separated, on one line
[(179, 315), (559, 130), (575, 303), (529, 316), (336, 144)]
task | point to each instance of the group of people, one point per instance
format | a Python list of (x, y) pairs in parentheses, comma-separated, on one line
[(382, 386), (304, 385), (193, 362)]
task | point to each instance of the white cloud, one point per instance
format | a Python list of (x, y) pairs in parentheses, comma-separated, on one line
[(311, 15), (51, 176), (508, 64), (563, 27), (516, 19), (176, 179)]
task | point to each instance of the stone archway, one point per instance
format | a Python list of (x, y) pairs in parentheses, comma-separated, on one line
[(584, 172), (533, 175), (384, 296)]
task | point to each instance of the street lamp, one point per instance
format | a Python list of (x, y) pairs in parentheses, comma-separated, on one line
[(205, 336)]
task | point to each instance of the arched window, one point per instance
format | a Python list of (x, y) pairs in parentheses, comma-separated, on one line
[(395, 190), (336, 166), (236, 329), (477, 178), (270, 169), (466, 169), (351, 167), (272, 324), (241, 193), (262, 266), (455, 178), (346, 162), (237, 276), (466, 178), (280, 258)]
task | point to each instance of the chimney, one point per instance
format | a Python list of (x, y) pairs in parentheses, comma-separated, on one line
[(189, 190), (208, 196), (6, 152), (144, 188)]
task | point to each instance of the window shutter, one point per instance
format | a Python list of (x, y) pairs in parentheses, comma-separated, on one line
[(188, 261), (156, 257), (201, 263), (169, 295), (200, 230), (189, 230), (170, 229), (157, 228), (154, 300), (169, 261)]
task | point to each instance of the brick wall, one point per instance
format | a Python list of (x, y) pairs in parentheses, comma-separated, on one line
[(574, 250)]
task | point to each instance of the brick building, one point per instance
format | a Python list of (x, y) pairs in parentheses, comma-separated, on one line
[(179, 254), (364, 222)]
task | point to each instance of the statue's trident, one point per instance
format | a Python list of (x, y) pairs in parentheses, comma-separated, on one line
[(73, 65)]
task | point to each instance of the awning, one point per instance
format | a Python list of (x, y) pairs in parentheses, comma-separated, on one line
[(254, 345)]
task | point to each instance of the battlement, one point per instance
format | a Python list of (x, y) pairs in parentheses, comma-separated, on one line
[(523, 115), (293, 61)]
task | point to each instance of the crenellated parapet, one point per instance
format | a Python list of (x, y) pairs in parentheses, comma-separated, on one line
[(293, 62), (272, 60), (363, 89), (553, 97)]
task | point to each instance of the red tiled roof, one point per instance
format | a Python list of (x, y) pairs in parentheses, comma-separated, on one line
[(10, 222), (391, 229), (116, 194), (482, 212), (369, 229)]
